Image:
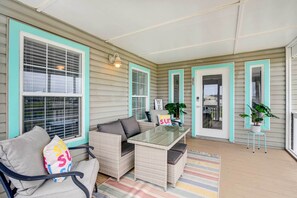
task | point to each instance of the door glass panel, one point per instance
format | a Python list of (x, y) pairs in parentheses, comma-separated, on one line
[(212, 101), (256, 85), (176, 88)]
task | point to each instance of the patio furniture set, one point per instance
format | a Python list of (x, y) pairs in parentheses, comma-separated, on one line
[(156, 153)]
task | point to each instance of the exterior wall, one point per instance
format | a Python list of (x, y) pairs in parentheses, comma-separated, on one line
[(276, 136), (108, 85), (294, 85), (3, 61)]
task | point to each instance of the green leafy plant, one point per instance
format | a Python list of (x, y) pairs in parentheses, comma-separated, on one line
[(258, 113), (176, 109)]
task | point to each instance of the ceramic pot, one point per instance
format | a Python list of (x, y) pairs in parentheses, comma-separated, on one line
[(256, 129)]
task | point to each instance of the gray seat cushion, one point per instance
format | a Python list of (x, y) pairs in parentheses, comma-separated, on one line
[(126, 148), (130, 126), (23, 155), (67, 188), (155, 113), (114, 127), (179, 147), (173, 157)]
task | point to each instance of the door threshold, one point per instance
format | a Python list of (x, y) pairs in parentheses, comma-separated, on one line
[(211, 138)]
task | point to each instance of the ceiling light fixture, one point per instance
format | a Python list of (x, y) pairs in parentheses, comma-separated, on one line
[(115, 60)]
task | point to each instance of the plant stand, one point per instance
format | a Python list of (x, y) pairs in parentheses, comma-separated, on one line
[(259, 134)]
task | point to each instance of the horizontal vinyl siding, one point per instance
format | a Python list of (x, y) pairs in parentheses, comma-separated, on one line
[(276, 136), (294, 84), (3, 66), (108, 85)]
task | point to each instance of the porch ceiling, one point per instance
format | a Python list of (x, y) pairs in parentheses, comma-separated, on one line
[(177, 30)]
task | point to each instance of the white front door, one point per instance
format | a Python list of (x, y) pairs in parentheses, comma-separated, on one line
[(212, 102)]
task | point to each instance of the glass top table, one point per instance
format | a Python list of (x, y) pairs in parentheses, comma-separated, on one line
[(162, 136)]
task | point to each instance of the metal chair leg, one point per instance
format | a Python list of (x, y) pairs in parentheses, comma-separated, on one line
[(248, 142), (265, 145), (259, 143), (254, 139)]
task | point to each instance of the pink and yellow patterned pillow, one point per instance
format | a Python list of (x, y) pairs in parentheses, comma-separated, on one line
[(57, 158), (164, 120)]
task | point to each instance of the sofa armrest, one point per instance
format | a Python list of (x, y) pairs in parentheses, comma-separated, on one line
[(84, 147), (6, 171), (106, 145), (145, 126)]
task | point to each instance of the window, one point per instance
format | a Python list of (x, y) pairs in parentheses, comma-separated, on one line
[(176, 80), (52, 88), (257, 87), (48, 84), (176, 87), (139, 91)]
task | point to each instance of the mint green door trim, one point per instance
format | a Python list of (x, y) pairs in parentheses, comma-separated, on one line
[(133, 66), (265, 64), (14, 111), (230, 66), (180, 72)]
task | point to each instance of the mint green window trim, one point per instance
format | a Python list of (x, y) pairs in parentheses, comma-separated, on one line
[(14, 111), (230, 66), (171, 73), (133, 66), (265, 64)]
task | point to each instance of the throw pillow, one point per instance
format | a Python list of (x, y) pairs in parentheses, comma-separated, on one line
[(130, 126), (164, 120), (114, 127), (57, 158)]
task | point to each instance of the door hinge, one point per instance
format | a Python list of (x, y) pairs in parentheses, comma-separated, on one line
[(193, 81)]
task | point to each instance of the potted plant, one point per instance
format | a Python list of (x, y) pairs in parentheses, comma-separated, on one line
[(257, 115), (175, 109)]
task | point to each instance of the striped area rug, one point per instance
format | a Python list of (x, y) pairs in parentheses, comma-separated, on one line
[(201, 179)]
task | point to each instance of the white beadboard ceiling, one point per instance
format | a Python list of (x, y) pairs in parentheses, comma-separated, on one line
[(165, 31)]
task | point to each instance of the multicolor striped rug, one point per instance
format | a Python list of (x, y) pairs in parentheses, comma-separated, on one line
[(201, 179)]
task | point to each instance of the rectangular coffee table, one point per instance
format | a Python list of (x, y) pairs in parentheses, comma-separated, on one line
[(151, 152)]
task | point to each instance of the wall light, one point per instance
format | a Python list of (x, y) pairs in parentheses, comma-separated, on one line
[(115, 60)]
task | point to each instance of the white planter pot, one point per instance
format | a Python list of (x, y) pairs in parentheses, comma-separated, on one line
[(256, 129)]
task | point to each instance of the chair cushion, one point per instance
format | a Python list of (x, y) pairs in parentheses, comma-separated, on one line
[(130, 126), (114, 127), (179, 147), (67, 188), (155, 113), (173, 157), (23, 155), (164, 120), (57, 158), (126, 148)]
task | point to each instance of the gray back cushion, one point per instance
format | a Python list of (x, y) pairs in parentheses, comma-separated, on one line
[(114, 128), (130, 126), (155, 113), (23, 155)]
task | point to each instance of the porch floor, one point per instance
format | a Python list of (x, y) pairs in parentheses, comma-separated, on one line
[(247, 174)]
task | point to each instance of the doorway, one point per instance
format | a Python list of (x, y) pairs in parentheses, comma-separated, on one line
[(213, 101)]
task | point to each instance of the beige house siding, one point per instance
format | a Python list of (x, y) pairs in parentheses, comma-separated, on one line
[(294, 84), (275, 137), (108, 85), (3, 61)]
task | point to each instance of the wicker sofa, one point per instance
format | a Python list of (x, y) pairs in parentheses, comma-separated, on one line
[(115, 155)]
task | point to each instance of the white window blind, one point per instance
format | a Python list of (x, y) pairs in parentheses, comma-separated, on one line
[(52, 88), (139, 94)]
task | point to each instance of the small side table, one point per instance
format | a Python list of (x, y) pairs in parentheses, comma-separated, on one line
[(259, 134)]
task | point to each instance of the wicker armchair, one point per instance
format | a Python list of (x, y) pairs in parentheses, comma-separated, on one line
[(108, 150)]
